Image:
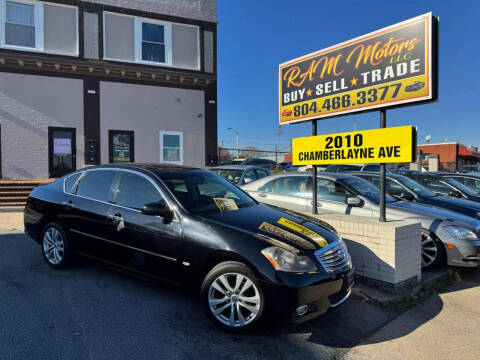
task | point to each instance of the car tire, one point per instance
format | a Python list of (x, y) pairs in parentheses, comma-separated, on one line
[(432, 251), (232, 287), (56, 246)]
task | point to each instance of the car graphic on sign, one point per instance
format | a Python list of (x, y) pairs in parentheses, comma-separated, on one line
[(415, 86), (287, 112)]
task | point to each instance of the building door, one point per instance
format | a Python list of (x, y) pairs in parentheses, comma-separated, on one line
[(61, 151)]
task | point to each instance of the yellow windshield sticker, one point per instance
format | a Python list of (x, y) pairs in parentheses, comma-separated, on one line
[(287, 235), (319, 239)]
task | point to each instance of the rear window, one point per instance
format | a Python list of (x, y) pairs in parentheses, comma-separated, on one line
[(96, 185), (232, 175)]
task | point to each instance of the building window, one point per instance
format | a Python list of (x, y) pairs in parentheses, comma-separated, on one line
[(152, 42), (121, 146), (171, 147), (36, 26)]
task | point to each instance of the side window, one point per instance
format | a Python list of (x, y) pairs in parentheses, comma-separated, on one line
[(134, 191), (330, 190), (435, 185), (96, 184), (393, 188), (261, 173), (290, 185), (249, 177), (70, 182)]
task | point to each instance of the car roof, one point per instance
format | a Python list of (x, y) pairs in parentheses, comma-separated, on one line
[(376, 173), (237, 167), (157, 168)]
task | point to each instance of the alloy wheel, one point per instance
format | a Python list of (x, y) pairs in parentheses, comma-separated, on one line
[(53, 246), (429, 250), (234, 299)]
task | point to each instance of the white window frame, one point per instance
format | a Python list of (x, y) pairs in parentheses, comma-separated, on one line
[(137, 36), (39, 26), (179, 133)]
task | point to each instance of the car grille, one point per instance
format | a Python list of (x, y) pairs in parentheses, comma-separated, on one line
[(334, 258)]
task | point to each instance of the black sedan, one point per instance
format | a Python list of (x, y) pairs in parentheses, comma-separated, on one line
[(442, 184), (470, 180), (192, 227), (404, 188)]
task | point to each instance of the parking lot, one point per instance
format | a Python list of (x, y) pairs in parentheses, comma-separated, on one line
[(92, 312)]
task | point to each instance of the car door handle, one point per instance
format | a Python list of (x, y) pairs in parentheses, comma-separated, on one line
[(262, 194), (117, 217), (319, 204), (68, 203)]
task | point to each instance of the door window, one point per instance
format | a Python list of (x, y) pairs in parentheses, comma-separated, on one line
[(135, 191), (472, 183), (289, 185), (70, 183), (249, 176), (121, 145), (435, 185), (393, 188), (96, 185), (332, 191), (261, 173)]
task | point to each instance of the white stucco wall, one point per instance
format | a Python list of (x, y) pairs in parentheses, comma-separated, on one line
[(146, 110)]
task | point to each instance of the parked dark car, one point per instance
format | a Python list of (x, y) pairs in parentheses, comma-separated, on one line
[(446, 186), (241, 174), (267, 164), (404, 171), (405, 188), (470, 180), (342, 168), (372, 168), (470, 168), (193, 227)]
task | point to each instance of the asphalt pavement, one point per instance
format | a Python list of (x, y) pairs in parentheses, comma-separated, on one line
[(93, 312)]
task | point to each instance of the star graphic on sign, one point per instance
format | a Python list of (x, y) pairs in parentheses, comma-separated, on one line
[(309, 92), (353, 82)]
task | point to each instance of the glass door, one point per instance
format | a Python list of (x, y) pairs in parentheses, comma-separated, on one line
[(61, 151)]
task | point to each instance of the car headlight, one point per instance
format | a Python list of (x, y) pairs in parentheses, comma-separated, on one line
[(287, 261), (459, 232)]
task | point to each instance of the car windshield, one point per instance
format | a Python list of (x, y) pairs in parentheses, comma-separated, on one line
[(364, 188), (461, 187), (232, 175), (197, 191), (416, 187)]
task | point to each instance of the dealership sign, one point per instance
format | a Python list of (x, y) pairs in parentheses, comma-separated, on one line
[(388, 145), (388, 67)]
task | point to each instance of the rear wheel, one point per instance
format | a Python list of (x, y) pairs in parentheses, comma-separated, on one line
[(232, 297), (56, 246), (433, 251)]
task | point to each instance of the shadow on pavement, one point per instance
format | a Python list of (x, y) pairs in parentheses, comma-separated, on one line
[(89, 311)]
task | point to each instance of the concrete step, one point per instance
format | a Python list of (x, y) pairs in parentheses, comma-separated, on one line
[(13, 193), (16, 199)]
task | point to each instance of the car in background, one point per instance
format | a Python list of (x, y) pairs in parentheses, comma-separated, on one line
[(343, 168), (265, 163), (288, 167), (445, 234), (470, 180), (192, 227), (404, 171), (231, 162), (446, 186), (372, 168), (241, 174), (405, 188), (470, 168)]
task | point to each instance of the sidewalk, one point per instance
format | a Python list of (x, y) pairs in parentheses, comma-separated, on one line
[(446, 326), (11, 221)]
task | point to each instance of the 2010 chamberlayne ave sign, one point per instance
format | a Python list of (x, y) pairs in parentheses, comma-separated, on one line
[(387, 67), (388, 145)]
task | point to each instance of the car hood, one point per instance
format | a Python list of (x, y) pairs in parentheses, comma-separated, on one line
[(455, 202), (297, 230), (435, 213)]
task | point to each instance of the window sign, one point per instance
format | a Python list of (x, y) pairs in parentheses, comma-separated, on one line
[(121, 146), (171, 147), (62, 146)]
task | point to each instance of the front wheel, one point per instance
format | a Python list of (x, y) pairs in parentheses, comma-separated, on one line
[(433, 251), (232, 297)]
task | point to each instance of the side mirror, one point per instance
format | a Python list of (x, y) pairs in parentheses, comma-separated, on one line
[(247, 180), (158, 209), (354, 201), (455, 193), (407, 196)]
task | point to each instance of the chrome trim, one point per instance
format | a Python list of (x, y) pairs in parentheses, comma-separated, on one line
[(124, 245), (343, 299)]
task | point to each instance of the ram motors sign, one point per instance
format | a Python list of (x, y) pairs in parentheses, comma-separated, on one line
[(388, 67), (388, 145)]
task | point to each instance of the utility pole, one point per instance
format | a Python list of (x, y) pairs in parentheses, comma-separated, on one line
[(236, 139), (314, 175), (383, 124)]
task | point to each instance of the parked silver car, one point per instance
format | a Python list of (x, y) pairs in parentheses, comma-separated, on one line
[(241, 174), (446, 235)]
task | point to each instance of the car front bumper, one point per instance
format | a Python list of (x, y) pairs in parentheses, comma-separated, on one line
[(299, 290), (465, 253)]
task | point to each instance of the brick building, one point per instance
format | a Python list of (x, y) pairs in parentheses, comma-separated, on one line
[(452, 155), (101, 81)]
